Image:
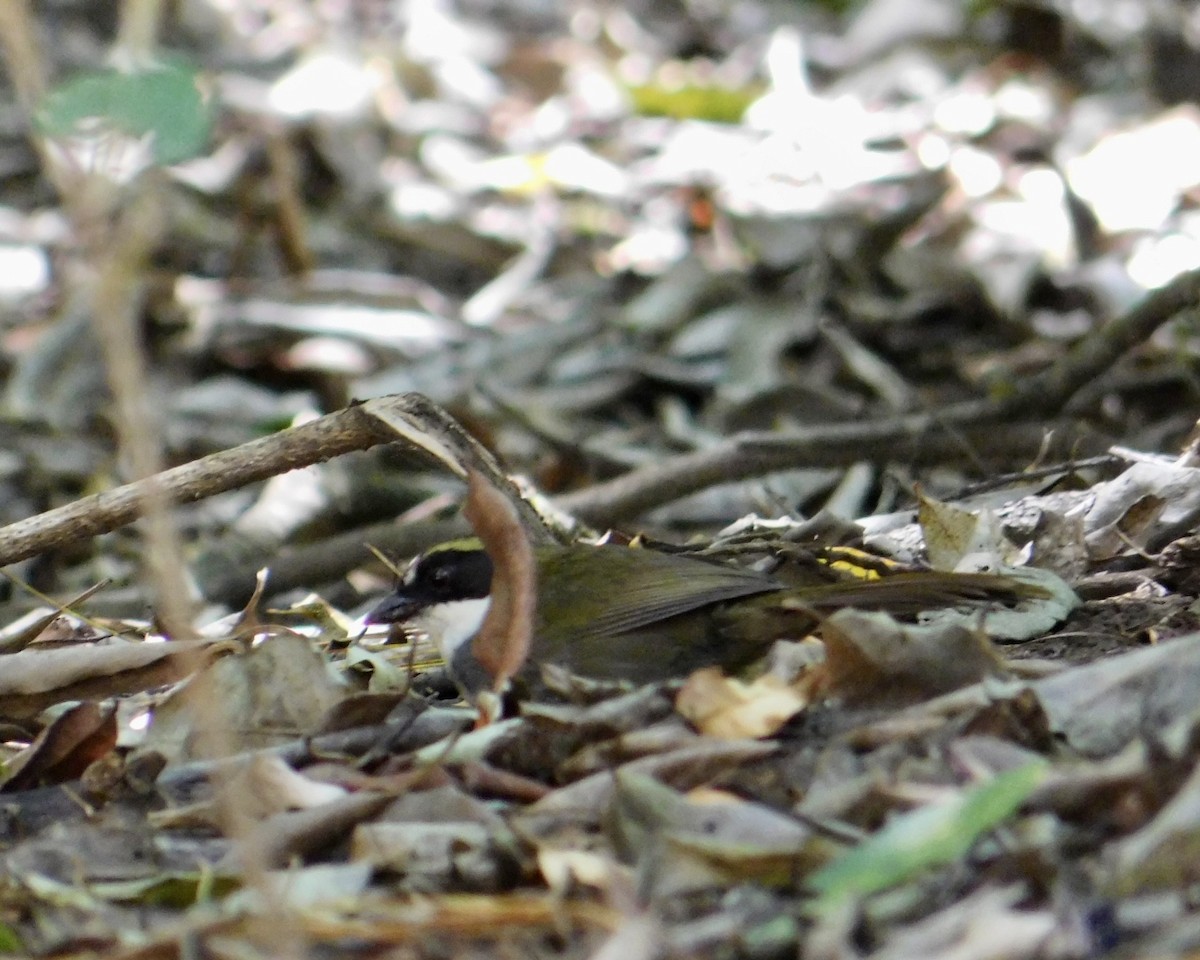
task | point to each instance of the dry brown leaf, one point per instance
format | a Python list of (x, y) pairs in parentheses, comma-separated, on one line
[(32, 680), (690, 844), (564, 868), (684, 768), (1136, 507), (267, 785), (298, 833), (280, 689), (871, 658), (725, 707), (464, 853), (952, 534), (1098, 708), (61, 752), (506, 633)]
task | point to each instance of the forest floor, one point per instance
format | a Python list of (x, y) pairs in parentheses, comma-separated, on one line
[(837, 291)]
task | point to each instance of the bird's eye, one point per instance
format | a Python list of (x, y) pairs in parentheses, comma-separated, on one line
[(441, 577)]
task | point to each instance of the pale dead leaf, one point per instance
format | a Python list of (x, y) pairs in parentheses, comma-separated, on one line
[(562, 869), (871, 658), (1048, 600), (463, 852), (32, 680), (687, 844), (962, 540), (16, 636), (727, 708), (1135, 507), (280, 689), (267, 785)]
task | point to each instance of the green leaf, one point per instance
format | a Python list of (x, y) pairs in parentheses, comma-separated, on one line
[(693, 101), (178, 890), (164, 103), (10, 941), (936, 834)]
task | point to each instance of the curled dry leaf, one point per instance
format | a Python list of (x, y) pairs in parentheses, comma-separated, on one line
[(871, 658), (83, 734), (1045, 599), (1136, 507), (17, 636), (506, 634), (32, 680), (725, 707)]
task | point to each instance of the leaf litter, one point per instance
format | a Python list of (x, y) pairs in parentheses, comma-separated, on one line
[(674, 266)]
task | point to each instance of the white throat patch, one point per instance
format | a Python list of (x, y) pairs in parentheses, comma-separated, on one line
[(452, 624)]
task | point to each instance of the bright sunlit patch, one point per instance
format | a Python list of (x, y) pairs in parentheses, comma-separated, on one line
[(1030, 225), (423, 201), (574, 167), (215, 171), (968, 112), (648, 248), (1041, 185), (324, 84), (408, 329), (1019, 99), (1158, 260), (140, 721), (328, 354), (1133, 180), (24, 271), (933, 151), (978, 173)]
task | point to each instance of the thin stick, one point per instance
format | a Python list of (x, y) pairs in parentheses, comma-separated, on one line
[(314, 442)]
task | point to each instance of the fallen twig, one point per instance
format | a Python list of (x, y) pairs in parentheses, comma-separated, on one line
[(315, 442)]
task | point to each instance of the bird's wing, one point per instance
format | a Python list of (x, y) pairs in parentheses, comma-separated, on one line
[(661, 586)]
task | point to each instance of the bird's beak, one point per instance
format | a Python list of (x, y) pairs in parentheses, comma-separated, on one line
[(394, 609)]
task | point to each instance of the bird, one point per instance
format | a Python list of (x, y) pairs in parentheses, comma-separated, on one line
[(621, 613)]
